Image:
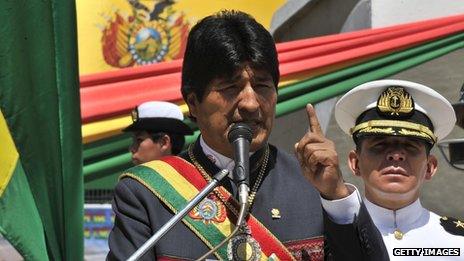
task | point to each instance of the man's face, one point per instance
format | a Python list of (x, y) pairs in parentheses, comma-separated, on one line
[(144, 149), (393, 168), (249, 96)]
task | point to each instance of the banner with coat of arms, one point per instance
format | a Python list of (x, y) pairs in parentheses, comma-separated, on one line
[(115, 34)]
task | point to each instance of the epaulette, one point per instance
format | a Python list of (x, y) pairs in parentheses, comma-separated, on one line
[(452, 225)]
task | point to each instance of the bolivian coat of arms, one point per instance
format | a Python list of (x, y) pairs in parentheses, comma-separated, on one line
[(148, 35)]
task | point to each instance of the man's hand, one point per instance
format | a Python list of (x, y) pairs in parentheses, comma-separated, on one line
[(319, 160)]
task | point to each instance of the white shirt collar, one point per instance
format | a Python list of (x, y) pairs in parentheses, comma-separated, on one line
[(217, 158), (388, 219)]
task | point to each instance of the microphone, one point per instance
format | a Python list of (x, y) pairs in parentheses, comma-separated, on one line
[(240, 136)]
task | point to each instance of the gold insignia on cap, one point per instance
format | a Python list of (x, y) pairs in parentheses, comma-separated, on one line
[(135, 115), (395, 101)]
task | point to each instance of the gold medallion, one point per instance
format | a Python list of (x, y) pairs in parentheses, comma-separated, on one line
[(398, 234), (243, 247)]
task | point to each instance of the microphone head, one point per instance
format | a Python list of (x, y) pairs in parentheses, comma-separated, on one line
[(240, 130)]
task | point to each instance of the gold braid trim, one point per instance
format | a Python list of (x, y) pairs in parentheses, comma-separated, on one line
[(408, 128), (377, 130), (415, 133)]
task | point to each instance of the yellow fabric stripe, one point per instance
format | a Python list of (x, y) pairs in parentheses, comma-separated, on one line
[(8, 154), (105, 128), (101, 129), (178, 182), (184, 188)]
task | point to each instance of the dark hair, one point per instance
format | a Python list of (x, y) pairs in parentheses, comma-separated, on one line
[(223, 43), (177, 141)]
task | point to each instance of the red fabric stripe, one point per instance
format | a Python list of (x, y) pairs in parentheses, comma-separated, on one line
[(103, 101), (370, 50), (326, 39), (131, 73), (187, 170), (342, 45), (270, 246)]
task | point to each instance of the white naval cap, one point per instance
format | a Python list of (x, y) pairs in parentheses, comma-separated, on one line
[(158, 116), (397, 108)]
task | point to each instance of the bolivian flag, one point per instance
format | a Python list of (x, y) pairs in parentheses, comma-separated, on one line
[(41, 196)]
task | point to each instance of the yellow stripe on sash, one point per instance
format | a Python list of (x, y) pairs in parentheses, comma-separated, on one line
[(186, 189)]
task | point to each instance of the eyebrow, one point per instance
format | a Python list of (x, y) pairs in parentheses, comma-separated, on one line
[(262, 78), (234, 79), (257, 77)]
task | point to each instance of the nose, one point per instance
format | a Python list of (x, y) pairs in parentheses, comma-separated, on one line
[(396, 155), (248, 99), (133, 147)]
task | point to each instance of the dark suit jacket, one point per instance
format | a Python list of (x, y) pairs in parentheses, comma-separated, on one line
[(302, 225)]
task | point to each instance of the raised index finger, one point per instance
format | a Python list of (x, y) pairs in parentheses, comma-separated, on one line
[(314, 125)]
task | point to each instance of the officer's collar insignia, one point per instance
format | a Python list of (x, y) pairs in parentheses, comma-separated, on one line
[(135, 115), (395, 101), (452, 225)]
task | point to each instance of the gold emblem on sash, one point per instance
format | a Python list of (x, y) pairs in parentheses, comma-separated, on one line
[(209, 210), (395, 101)]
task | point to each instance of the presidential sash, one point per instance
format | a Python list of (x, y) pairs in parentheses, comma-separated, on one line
[(175, 182)]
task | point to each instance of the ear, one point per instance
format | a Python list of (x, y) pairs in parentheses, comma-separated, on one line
[(165, 145), (353, 163), (432, 165), (192, 103)]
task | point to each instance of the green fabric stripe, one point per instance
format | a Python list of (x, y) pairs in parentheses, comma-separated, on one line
[(39, 97), (167, 193), (69, 122), (19, 218), (303, 87), (339, 88), (105, 148)]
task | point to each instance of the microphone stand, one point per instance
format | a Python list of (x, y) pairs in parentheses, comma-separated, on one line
[(178, 217)]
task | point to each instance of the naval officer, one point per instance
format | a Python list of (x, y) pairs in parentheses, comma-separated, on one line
[(157, 130), (394, 125)]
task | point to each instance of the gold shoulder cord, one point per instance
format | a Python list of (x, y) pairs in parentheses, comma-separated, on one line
[(264, 160)]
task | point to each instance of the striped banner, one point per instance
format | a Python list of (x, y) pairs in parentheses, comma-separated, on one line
[(175, 182), (312, 70)]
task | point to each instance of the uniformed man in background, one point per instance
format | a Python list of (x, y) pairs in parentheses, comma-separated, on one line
[(158, 130), (394, 125)]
